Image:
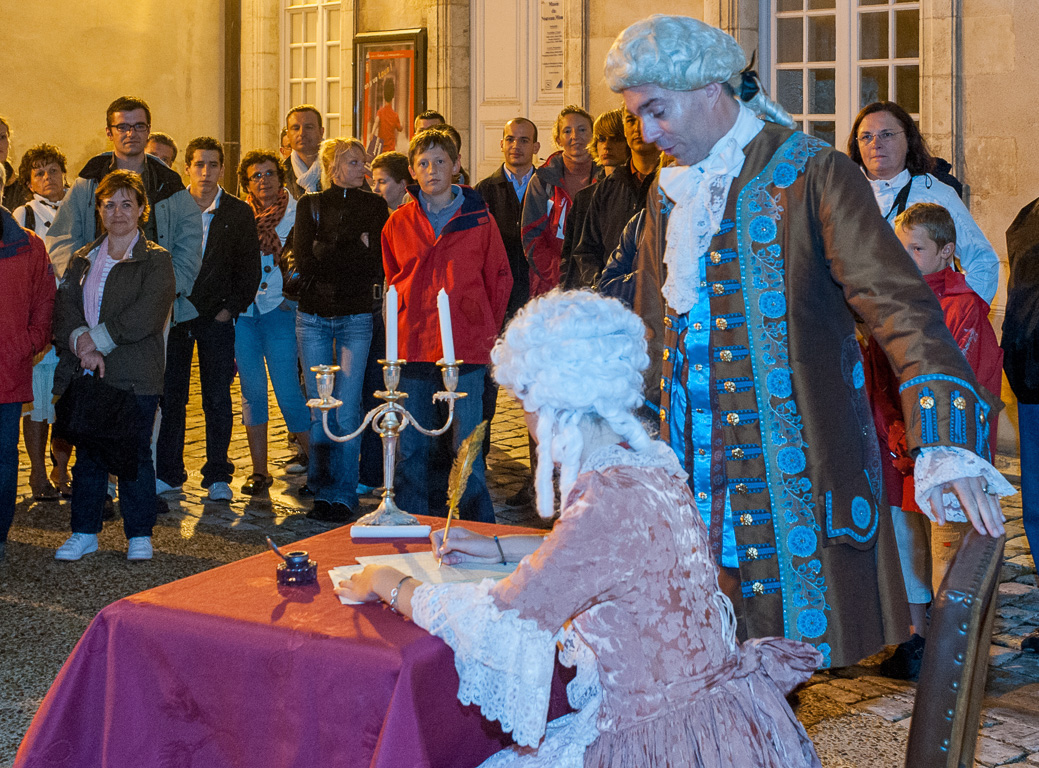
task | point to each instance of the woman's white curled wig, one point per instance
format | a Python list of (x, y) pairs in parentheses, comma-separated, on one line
[(683, 54), (570, 356)]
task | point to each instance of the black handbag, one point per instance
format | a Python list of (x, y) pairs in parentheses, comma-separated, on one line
[(291, 281), (102, 419)]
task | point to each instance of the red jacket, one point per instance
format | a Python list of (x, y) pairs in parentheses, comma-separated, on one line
[(26, 304), (545, 207), (468, 261), (966, 315)]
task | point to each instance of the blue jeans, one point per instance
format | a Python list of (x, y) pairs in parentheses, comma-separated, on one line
[(137, 501), (10, 418), (342, 341), (267, 343), (413, 478), (1028, 428), (216, 342)]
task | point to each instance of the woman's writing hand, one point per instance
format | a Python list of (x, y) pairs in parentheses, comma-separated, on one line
[(464, 546)]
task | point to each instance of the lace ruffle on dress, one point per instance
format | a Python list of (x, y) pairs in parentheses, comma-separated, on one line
[(661, 680)]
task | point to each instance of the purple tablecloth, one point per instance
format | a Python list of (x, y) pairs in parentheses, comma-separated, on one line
[(220, 669)]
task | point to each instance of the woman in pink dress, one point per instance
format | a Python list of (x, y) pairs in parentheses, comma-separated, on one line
[(624, 582)]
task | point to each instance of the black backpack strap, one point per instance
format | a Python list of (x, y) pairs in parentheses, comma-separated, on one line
[(30, 218), (898, 207)]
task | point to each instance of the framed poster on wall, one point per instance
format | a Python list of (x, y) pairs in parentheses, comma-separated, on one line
[(390, 88)]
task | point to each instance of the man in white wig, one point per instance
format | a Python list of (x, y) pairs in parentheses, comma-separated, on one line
[(760, 244)]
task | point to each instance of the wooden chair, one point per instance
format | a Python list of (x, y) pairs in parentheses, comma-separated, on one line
[(947, 711)]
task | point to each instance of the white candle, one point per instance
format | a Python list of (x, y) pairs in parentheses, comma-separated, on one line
[(446, 339), (391, 323)]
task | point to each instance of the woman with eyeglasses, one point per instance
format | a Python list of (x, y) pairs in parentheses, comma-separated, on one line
[(265, 334), (892, 152)]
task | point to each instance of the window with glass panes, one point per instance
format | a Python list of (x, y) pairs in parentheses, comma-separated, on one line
[(830, 58), (312, 62)]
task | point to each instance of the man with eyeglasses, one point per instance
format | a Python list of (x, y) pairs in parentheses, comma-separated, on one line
[(175, 222), (305, 131)]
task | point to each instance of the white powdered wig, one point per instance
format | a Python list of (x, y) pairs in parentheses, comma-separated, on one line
[(570, 356), (684, 54)]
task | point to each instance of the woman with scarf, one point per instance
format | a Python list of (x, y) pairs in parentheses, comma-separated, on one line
[(265, 334)]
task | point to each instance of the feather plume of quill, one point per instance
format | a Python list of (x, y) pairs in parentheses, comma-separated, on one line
[(468, 453)]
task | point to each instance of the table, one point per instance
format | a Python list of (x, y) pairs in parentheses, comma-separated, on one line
[(223, 669)]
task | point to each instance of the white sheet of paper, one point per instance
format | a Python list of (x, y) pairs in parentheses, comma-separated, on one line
[(423, 566)]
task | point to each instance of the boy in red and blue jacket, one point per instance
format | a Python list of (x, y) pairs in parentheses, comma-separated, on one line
[(444, 238)]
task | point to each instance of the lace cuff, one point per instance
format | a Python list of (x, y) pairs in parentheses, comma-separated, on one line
[(935, 466), (504, 663)]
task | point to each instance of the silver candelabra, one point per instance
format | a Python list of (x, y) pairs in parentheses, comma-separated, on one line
[(388, 420)]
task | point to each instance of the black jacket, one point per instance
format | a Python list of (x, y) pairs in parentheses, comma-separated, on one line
[(507, 210), (230, 270), (615, 200), (339, 251), (1020, 340), (14, 192)]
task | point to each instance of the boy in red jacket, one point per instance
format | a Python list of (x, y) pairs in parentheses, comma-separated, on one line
[(26, 304), (926, 548), (444, 238)]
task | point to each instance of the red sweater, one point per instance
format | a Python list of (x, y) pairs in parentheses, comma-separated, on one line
[(26, 304), (966, 315), (468, 261)]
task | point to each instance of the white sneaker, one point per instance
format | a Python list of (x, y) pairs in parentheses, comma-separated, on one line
[(139, 548), (77, 545), (161, 486), (220, 492)]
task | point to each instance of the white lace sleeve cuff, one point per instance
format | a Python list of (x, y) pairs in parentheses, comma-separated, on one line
[(938, 465), (504, 663)]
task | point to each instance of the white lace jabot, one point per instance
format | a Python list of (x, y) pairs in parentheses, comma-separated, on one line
[(659, 454), (699, 193)]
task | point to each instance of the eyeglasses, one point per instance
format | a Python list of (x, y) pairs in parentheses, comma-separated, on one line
[(865, 139), (262, 175), (131, 127)]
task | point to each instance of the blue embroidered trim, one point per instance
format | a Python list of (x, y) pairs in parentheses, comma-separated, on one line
[(728, 287), (732, 320), (861, 510), (746, 416), (738, 352), (751, 552), (753, 484), (726, 226), (741, 384), (725, 255), (982, 446), (759, 587), (751, 517), (957, 420), (928, 416), (749, 452), (855, 378), (763, 274), (940, 377)]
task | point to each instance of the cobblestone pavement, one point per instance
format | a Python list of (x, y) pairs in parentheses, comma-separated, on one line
[(855, 717)]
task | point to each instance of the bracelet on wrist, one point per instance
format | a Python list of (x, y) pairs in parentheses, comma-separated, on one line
[(395, 594)]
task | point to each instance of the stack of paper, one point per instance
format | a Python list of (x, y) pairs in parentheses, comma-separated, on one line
[(423, 566)]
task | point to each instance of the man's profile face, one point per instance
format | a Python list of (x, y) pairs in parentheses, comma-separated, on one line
[(518, 144), (129, 132), (678, 122), (305, 133)]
